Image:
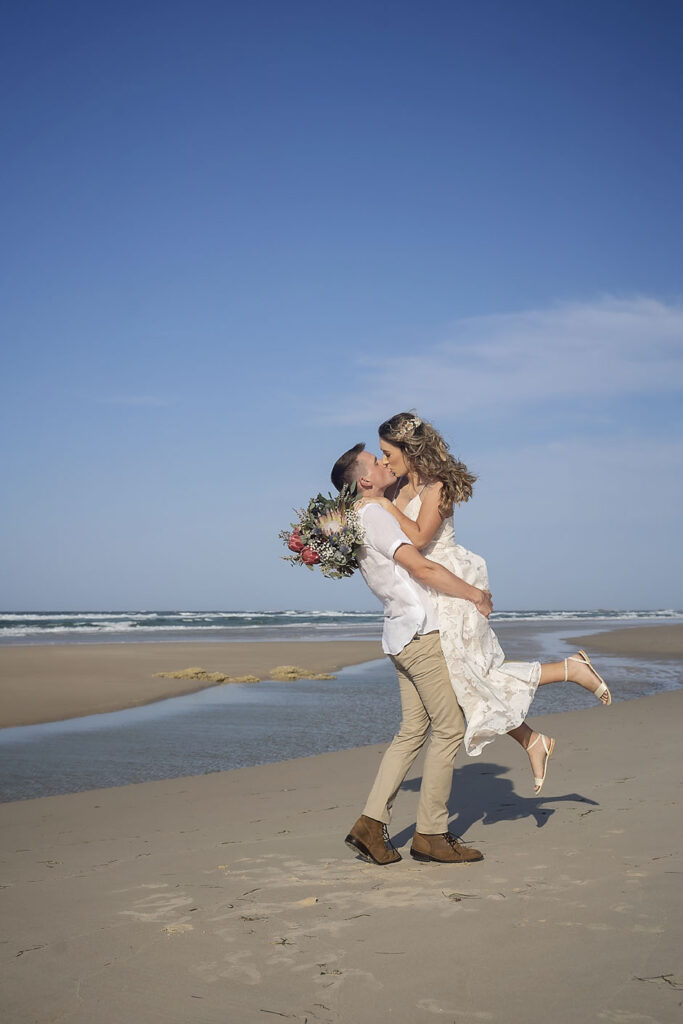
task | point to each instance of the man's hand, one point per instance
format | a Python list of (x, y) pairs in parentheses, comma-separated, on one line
[(484, 604)]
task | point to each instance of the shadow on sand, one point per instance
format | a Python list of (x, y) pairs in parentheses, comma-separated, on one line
[(481, 794)]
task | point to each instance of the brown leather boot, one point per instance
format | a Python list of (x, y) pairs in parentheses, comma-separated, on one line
[(445, 848), (370, 839)]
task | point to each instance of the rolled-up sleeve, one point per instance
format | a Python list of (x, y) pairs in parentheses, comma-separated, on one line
[(382, 532)]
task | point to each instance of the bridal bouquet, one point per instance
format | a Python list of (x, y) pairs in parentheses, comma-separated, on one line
[(328, 533)]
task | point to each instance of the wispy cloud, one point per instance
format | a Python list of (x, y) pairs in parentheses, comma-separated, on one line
[(609, 347)]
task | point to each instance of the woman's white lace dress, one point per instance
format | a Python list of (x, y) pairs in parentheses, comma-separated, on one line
[(494, 694)]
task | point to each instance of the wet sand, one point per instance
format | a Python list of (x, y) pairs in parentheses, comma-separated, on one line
[(636, 642), (50, 683), (231, 897)]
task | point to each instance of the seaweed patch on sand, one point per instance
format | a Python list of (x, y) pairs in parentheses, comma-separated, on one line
[(281, 673), (290, 673), (208, 677)]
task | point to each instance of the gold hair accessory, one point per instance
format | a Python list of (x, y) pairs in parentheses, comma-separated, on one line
[(408, 428)]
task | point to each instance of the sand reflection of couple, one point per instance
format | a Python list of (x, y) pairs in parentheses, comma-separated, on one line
[(450, 665)]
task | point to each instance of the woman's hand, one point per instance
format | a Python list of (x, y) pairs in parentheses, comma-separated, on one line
[(484, 603)]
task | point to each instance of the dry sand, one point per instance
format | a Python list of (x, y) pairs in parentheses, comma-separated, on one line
[(48, 683), (231, 898)]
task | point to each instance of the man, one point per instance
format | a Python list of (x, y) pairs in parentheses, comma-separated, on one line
[(399, 576)]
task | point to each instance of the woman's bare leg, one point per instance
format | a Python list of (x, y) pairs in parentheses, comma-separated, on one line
[(552, 672), (577, 672), (525, 735)]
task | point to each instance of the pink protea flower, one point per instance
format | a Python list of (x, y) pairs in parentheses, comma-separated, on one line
[(332, 522), (295, 542)]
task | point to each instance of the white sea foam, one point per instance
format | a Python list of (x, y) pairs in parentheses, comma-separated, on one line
[(135, 625)]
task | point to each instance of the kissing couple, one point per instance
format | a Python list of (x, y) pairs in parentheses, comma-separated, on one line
[(453, 677)]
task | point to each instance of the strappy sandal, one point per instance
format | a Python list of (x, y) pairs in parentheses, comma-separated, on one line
[(548, 746), (603, 689)]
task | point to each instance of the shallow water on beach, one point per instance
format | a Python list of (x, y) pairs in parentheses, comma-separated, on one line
[(215, 729), (236, 725)]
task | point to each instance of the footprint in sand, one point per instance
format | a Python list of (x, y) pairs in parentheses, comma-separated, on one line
[(161, 908), (232, 966), (432, 1006)]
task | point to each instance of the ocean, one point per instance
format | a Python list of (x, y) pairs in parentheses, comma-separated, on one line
[(52, 627)]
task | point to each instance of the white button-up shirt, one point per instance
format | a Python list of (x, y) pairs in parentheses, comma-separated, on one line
[(408, 607)]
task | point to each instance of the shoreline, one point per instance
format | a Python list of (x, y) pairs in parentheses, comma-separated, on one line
[(54, 683), (651, 641), (48, 683)]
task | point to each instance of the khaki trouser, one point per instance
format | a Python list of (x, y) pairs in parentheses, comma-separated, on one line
[(427, 698)]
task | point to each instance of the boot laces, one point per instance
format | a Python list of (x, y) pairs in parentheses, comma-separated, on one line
[(385, 836), (454, 841)]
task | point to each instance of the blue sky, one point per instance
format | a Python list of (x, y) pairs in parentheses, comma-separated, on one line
[(238, 236)]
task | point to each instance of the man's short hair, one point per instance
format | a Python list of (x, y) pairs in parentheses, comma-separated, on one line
[(344, 470)]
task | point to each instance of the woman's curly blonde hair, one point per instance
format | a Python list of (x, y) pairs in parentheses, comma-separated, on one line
[(425, 451)]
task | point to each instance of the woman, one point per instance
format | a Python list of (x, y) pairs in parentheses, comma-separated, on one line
[(494, 694)]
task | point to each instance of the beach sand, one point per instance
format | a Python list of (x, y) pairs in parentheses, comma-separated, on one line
[(231, 897), (636, 642), (46, 683)]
